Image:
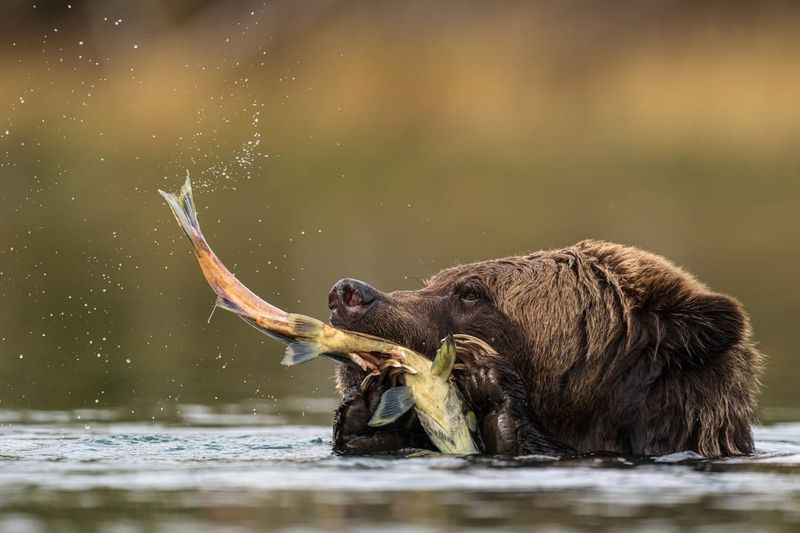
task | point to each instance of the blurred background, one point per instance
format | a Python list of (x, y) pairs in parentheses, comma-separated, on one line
[(378, 140)]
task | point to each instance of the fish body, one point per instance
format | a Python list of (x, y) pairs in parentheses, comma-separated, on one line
[(436, 400), (426, 385)]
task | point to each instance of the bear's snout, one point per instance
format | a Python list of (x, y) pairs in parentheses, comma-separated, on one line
[(349, 299)]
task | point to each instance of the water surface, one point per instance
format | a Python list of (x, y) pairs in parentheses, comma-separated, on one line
[(213, 470)]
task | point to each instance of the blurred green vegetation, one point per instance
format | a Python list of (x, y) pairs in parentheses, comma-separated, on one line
[(382, 141)]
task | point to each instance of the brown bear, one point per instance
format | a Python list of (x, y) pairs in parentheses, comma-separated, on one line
[(600, 348)]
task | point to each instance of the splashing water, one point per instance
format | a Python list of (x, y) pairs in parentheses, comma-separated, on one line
[(225, 147)]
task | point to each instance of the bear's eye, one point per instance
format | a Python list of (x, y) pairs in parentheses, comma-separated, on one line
[(471, 292), (470, 296)]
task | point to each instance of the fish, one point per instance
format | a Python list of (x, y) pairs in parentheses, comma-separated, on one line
[(419, 383)]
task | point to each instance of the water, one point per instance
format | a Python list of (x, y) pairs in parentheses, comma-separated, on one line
[(214, 470)]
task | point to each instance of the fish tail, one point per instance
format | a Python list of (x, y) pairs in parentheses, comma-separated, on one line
[(185, 212), (232, 295)]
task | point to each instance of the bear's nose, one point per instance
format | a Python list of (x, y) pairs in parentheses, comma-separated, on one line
[(349, 298)]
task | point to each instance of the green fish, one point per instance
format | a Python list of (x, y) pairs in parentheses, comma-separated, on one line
[(426, 386)]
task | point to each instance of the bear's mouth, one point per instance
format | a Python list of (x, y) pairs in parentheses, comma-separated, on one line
[(361, 326), (353, 305)]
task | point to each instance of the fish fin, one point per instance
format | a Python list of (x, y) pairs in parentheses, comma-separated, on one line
[(305, 326), (183, 208), (300, 352), (442, 365), (394, 403), (228, 305)]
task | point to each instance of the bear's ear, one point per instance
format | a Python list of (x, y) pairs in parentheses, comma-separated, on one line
[(694, 326)]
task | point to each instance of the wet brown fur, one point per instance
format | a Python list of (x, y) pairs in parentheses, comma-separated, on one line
[(602, 347)]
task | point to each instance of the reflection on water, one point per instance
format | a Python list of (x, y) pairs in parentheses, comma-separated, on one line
[(99, 473)]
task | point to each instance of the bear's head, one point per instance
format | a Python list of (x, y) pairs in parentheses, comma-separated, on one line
[(606, 347)]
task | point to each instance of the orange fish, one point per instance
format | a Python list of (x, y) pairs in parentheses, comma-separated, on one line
[(426, 386)]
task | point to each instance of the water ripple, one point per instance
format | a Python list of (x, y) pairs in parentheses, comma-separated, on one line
[(142, 464)]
